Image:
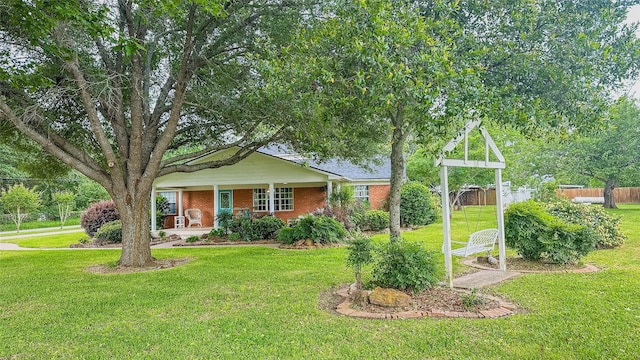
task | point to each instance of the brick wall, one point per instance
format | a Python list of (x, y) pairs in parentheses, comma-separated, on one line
[(202, 200), (305, 200), (379, 196)]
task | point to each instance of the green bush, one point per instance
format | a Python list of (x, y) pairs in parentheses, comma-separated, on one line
[(267, 227), (217, 232), (375, 220), (321, 229), (415, 205), (243, 227), (192, 239), (605, 227), (110, 232), (406, 265), (287, 235), (224, 221), (535, 234)]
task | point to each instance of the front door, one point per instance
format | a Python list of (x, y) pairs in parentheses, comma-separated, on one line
[(225, 201)]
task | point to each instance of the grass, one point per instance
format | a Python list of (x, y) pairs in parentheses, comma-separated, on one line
[(49, 241), (262, 303), (10, 226)]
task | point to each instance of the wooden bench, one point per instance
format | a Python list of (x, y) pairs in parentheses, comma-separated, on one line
[(588, 199), (479, 241)]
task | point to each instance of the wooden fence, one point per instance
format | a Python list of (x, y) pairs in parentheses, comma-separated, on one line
[(621, 195)]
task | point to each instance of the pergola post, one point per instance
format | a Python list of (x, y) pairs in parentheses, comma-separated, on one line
[(500, 214), (446, 223)]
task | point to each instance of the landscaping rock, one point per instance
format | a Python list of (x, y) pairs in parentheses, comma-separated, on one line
[(389, 297), (308, 242)]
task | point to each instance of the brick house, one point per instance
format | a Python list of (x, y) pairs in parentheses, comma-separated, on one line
[(269, 181)]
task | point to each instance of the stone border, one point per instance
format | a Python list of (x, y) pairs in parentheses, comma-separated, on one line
[(587, 268), (505, 309)]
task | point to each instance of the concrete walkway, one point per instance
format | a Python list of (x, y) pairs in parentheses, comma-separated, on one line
[(5, 235), (483, 278)]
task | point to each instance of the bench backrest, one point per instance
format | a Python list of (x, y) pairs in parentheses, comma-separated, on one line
[(483, 237)]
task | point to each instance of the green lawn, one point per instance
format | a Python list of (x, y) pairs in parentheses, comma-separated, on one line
[(261, 303), (48, 241), (39, 224)]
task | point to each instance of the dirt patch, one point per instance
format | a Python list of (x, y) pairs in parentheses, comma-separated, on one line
[(434, 302), (438, 298), (521, 265), (156, 265)]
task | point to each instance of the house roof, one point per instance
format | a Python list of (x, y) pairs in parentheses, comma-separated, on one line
[(375, 170)]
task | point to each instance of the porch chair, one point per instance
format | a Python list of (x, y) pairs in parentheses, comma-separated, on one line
[(194, 216)]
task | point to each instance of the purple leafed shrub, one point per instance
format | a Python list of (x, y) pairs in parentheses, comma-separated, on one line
[(98, 214)]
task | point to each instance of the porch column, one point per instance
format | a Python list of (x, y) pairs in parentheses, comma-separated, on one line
[(338, 190), (215, 206), (272, 199), (329, 192), (180, 212), (154, 226)]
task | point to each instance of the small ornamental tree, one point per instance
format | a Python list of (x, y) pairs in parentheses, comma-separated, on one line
[(19, 201), (360, 254), (65, 201)]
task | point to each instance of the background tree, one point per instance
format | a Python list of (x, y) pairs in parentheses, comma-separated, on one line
[(425, 68), (609, 154), (19, 201), (116, 90), (65, 202)]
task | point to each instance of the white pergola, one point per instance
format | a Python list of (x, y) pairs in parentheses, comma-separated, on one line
[(498, 164)]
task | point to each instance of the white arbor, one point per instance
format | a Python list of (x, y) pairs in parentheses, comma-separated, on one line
[(493, 159)]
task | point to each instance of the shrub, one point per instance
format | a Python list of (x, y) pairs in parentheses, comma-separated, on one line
[(243, 226), (162, 208), (360, 254), (536, 234), (605, 227), (321, 229), (217, 232), (110, 232), (405, 265), (327, 230), (375, 220), (98, 214), (162, 234), (224, 219), (192, 239), (287, 235), (415, 205), (267, 227)]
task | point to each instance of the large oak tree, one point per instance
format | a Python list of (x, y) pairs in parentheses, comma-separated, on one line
[(128, 90)]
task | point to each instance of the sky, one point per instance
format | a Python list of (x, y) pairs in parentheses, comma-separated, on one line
[(634, 16)]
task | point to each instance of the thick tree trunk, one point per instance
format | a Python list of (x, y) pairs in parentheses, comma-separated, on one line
[(609, 201), (136, 237), (397, 178)]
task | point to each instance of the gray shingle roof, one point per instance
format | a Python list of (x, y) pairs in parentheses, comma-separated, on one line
[(376, 171)]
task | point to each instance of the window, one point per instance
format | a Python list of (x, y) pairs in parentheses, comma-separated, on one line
[(282, 198), (361, 193), (260, 200), (171, 198)]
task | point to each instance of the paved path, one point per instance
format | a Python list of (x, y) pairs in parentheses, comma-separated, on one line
[(38, 232), (483, 278)]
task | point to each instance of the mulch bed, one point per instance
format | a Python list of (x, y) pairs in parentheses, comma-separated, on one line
[(437, 298), (527, 266), (156, 265)]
